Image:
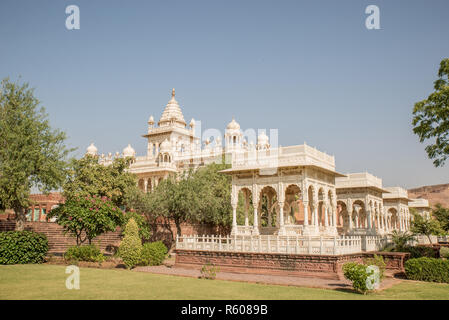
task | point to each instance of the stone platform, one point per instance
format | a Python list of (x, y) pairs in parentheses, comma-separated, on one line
[(319, 266)]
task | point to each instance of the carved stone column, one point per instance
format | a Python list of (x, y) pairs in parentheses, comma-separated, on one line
[(145, 183), (306, 213), (281, 218), (326, 212), (349, 208)]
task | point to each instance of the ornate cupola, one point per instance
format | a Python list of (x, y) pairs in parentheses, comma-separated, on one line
[(150, 122), (233, 136), (263, 143), (172, 115), (91, 150), (129, 152)]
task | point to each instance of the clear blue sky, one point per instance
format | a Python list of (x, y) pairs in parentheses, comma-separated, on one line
[(308, 68)]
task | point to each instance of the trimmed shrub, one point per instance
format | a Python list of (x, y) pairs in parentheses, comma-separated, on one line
[(153, 254), (444, 252), (84, 253), (362, 278), (427, 269), (20, 247), (130, 249), (379, 262)]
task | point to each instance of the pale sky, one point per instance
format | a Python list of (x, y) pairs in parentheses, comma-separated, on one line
[(310, 69)]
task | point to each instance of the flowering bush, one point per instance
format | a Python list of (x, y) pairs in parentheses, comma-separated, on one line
[(87, 217)]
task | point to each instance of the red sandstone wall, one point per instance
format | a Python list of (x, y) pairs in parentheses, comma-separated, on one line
[(57, 241), (328, 267)]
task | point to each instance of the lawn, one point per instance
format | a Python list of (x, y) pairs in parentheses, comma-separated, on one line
[(48, 282)]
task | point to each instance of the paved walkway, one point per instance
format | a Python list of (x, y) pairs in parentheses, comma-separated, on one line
[(265, 279)]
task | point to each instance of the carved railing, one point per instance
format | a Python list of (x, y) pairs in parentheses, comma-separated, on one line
[(316, 245)]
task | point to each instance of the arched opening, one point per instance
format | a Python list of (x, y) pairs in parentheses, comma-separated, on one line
[(294, 207), (141, 185), (394, 219), (342, 215), (359, 214), (268, 210), (245, 208)]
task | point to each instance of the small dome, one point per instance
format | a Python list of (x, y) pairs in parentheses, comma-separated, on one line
[(92, 149), (151, 120), (192, 122), (262, 139), (129, 151), (165, 146), (233, 125)]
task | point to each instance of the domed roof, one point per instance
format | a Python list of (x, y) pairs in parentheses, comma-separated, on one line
[(92, 149), (172, 112), (129, 151), (165, 146), (233, 125), (151, 120), (192, 122), (262, 139)]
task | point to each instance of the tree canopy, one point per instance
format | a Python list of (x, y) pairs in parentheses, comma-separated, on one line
[(87, 217), (32, 154), (431, 118), (200, 196), (441, 214), (87, 177), (425, 227)]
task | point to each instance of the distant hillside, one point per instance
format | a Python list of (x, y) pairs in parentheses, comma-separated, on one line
[(438, 193)]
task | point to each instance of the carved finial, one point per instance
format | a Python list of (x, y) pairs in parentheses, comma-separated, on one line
[(173, 92)]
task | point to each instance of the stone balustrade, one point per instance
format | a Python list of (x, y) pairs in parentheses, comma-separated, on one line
[(317, 245)]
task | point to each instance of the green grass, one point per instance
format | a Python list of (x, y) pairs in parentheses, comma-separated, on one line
[(48, 282)]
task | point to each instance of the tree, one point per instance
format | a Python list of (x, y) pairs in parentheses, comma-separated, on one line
[(87, 217), (431, 118), (87, 177), (424, 226), (32, 154), (214, 190), (401, 239), (441, 214)]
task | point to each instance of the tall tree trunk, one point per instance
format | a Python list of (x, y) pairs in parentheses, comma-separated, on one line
[(20, 218)]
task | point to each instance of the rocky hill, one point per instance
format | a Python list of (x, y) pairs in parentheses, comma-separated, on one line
[(438, 193)]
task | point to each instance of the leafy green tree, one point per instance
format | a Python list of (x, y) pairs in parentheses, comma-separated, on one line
[(87, 217), (431, 118), (176, 199), (214, 190), (441, 214), (32, 154), (425, 227), (87, 177)]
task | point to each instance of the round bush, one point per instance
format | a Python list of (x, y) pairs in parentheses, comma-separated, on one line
[(153, 253), (84, 253), (427, 269), (130, 249), (444, 252), (20, 247)]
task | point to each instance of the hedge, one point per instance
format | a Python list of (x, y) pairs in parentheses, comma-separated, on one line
[(89, 253), (427, 269), (21, 247), (153, 253)]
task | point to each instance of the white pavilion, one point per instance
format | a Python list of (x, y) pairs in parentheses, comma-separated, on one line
[(287, 191)]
